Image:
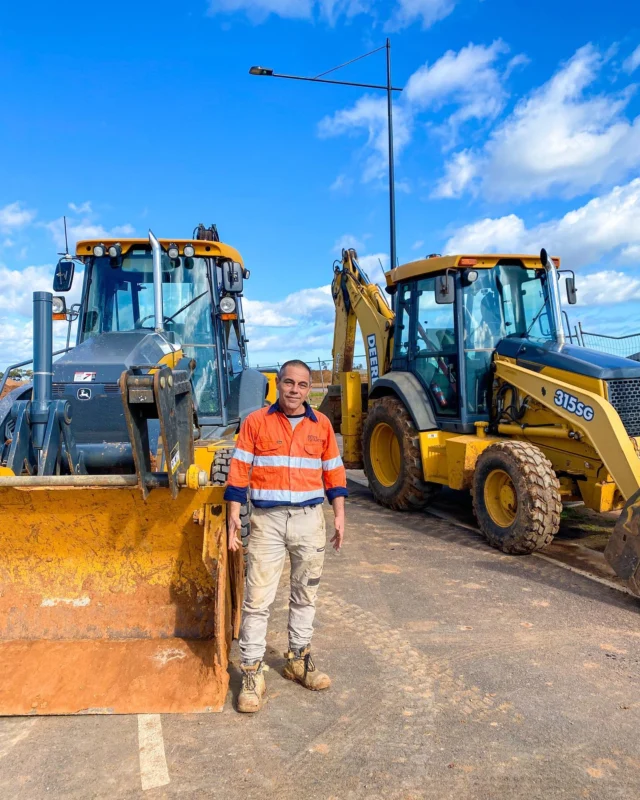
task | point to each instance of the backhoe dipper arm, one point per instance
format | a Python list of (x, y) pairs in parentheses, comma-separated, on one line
[(358, 301)]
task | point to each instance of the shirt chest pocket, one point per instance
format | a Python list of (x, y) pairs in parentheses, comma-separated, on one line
[(314, 449), (265, 447)]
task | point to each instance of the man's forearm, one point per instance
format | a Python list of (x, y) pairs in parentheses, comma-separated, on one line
[(338, 506)]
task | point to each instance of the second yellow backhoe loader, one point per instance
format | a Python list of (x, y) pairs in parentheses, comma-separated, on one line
[(472, 385), (117, 593)]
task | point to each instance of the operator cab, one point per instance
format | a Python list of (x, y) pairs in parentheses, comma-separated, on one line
[(452, 313)]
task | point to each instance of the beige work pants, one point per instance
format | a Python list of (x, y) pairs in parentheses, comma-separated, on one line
[(275, 531)]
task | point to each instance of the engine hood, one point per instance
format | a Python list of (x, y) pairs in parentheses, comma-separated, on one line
[(104, 358), (571, 358)]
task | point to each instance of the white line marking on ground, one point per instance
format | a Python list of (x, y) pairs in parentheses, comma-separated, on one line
[(578, 571), (153, 763), (9, 739)]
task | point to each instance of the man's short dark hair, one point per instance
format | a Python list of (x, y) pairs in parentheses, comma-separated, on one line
[(295, 362)]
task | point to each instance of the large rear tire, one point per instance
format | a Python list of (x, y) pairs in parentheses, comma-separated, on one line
[(516, 497), (392, 460), (220, 475)]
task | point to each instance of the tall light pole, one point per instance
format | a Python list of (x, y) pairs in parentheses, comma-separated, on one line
[(389, 89)]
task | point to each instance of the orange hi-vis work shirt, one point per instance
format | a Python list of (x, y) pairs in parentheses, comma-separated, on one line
[(285, 466)]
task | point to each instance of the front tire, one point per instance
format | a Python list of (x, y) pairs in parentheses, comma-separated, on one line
[(392, 460), (516, 497), (219, 476)]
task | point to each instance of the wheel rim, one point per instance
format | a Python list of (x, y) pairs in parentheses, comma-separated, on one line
[(385, 454), (500, 498)]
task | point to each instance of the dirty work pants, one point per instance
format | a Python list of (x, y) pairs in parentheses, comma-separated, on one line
[(275, 531)]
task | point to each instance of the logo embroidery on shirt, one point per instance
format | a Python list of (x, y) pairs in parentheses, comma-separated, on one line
[(312, 438)]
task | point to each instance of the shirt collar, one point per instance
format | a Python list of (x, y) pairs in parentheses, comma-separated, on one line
[(308, 411)]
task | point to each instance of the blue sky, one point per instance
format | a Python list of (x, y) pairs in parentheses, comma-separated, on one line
[(519, 127)]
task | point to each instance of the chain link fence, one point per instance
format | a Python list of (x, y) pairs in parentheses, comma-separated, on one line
[(626, 346)]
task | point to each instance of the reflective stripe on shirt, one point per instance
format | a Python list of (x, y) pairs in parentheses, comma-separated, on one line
[(296, 462), (332, 463), (243, 455), (284, 495)]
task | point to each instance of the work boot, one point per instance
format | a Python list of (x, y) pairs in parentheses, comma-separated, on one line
[(254, 687), (300, 667)]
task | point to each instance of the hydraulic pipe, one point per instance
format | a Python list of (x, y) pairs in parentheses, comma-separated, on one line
[(554, 295), (42, 366), (156, 250), (152, 480)]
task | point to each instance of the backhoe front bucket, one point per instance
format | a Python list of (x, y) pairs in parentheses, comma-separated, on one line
[(623, 548), (112, 604)]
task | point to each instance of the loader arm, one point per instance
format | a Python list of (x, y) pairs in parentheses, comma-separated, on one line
[(600, 426)]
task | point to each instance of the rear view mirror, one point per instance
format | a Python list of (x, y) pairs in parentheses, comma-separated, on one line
[(63, 277), (232, 277), (445, 289), (570, 283)]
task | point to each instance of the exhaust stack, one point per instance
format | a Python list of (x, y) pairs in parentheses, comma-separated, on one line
[(156, 249)]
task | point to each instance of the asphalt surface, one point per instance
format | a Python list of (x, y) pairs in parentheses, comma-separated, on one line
[(458, 672)]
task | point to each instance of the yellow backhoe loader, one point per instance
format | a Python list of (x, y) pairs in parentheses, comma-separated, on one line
[(117, 593), (472, 385)]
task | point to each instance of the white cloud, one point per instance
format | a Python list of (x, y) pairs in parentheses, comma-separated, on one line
[(85, 229), (632, 63), (83, 208), (369, 114), (607, 287), (418, 245), (16, 310), (375, 265), (15, 216), (258, 11), (606, 227), (460, 171), (341, 184), (468, 79), (348, 241), (558, 139), (427, 12)]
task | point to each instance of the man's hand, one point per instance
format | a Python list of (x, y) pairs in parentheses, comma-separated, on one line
[(338, 523), (234, 526)]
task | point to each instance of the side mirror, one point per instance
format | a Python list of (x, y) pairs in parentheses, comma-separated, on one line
[(570, 283), (63, 277), (232, 277), (445, 289)]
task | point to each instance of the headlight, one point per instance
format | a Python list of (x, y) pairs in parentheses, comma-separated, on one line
[(173, 251), (227, 305), (115, 251), (99, 250), (472, 275), (58, 305), (189, 250)]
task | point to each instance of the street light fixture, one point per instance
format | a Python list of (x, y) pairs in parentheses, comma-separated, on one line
[(388, 88)]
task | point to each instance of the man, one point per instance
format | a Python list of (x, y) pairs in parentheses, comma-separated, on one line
[(289, 454)]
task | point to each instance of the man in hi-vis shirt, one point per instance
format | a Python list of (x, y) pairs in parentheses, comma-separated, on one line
[(287, 458)]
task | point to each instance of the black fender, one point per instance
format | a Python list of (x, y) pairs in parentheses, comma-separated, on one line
[(406, 387), (248, 390)]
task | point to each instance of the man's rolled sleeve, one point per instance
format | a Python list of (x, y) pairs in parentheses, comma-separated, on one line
[(334, 475)]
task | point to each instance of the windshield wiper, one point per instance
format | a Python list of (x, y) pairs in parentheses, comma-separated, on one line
[(185, 306)]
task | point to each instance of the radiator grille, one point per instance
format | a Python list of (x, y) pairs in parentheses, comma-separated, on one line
[(624, 396), (62, 389)]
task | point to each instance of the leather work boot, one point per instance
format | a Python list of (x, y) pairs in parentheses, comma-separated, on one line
[(254, 687), (300, 667)]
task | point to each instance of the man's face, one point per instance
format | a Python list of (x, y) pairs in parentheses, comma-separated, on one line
[(294, 386)]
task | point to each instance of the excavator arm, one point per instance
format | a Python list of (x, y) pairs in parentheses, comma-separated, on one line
[(360, 303)]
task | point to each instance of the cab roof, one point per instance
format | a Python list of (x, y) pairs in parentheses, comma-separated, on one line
[(428, 266), (202, 247)]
